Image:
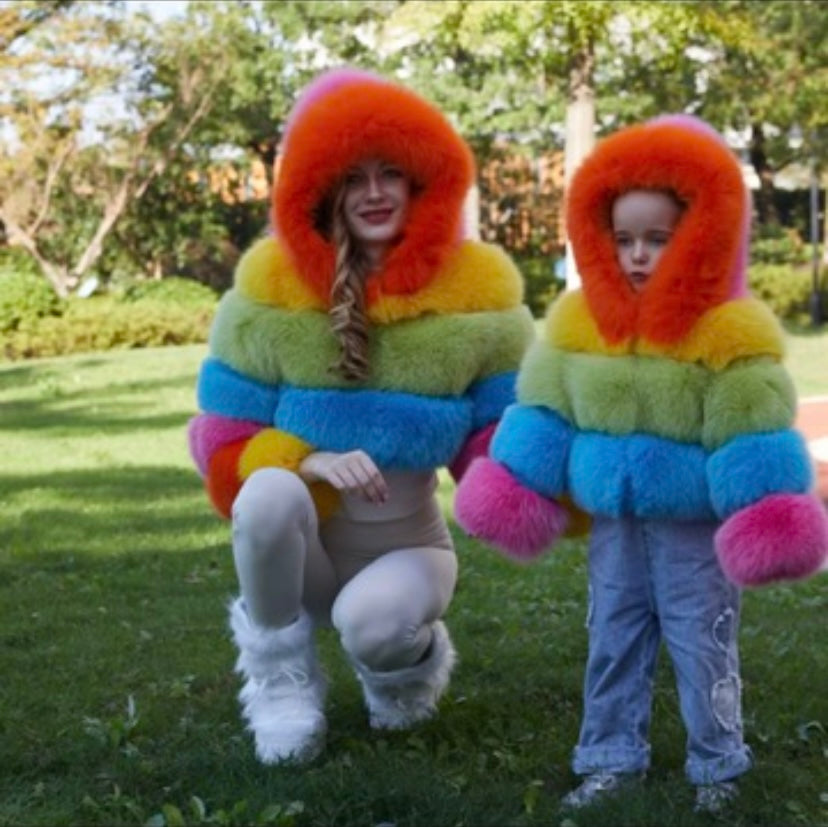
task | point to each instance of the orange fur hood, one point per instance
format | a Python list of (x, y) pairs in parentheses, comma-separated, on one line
[(342, 117), (705, 263)]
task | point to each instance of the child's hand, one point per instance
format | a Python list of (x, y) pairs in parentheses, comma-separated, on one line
[(780, 537), (492, 505), (352, 473)]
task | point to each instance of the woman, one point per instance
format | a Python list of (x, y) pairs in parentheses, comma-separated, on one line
[(363, 347)]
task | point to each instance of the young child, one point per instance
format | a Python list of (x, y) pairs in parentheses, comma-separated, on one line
[(656, 402)]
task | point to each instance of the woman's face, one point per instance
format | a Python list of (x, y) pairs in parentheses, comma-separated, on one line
[(377, 194), (642, 225)]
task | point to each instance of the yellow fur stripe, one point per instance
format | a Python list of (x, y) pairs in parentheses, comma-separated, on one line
[(325, 498), (273, 448), (266, 274), (570, 326), (477, 277), (730, 331)]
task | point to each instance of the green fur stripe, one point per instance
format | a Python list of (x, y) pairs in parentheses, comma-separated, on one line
[(752, 395), (431, 355), (687, 402), (541, 379)]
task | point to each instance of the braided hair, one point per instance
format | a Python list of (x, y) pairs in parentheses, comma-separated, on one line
[(349, 321)]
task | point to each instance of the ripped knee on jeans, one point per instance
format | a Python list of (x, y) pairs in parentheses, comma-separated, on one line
[(725, 702)]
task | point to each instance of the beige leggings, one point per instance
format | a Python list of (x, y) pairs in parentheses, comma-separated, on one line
[(380, 583)]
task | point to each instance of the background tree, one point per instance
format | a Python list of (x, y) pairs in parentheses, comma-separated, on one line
[(122, 99), (551, 73), (771, 83), (106, 169), (19, 18)]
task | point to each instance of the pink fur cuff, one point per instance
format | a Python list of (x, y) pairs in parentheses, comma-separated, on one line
[(492, 505), (207, 433), (781, 537), (477, 445)]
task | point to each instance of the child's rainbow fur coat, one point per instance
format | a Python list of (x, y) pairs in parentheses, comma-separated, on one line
[(448, 326), (668, 404)]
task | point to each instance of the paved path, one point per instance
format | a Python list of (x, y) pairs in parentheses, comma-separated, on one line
[(812, 420)]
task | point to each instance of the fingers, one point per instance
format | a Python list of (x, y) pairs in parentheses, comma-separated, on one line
[(356, 473), (367, 477)]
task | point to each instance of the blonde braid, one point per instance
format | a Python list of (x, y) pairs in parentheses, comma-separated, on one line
[(349, 321)]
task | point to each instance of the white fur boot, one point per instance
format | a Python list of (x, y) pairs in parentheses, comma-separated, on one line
[(283, 696), (398, 699)]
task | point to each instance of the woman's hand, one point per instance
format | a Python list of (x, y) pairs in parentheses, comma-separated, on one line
[(351, 473)]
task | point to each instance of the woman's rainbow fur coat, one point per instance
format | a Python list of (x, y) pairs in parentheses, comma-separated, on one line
[(448, 324), (668, 404)]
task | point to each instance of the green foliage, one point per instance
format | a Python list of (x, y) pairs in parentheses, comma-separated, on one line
[(103, 323), (172, 290), (777, 245), (24, 298), (787, 249), (784, 288), (541, 283), (218, 82)]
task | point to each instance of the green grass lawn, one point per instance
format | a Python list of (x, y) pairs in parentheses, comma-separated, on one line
[(807, 359), (117, 697)]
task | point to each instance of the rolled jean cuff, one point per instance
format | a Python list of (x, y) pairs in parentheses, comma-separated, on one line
[(587, 760), (723, 768)]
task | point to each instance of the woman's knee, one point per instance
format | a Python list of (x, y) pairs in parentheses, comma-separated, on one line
[(382, 638), (272, 501)]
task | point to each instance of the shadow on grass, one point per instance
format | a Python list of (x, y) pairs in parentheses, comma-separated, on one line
[(81, 411), (35, 372), (103, 513)]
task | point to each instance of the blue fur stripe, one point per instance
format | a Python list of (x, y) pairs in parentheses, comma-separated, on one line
[(752, 466), (491, 396), (533, 443), (398, 430), (225, 392), (668, 479), (640, 475)]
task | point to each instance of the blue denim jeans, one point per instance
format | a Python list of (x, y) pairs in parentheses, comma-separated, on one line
[(650, 580)]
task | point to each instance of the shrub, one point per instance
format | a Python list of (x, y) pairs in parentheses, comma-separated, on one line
[(785, 289), (24, 297), (173, 290), (777, 245), (104, 323), (542, 283)]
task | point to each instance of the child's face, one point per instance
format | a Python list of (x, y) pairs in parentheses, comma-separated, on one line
[(642, 224)]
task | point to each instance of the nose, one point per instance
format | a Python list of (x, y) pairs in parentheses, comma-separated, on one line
[(374, 188), (639, 251)]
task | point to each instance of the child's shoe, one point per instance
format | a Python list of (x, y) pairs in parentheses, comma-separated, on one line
[(713, 798), (598, 786)]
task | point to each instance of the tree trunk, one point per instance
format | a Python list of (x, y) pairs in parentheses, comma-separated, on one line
[(112, 213), (765, 207), (580, 131), (58, 276), (823, 179)]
